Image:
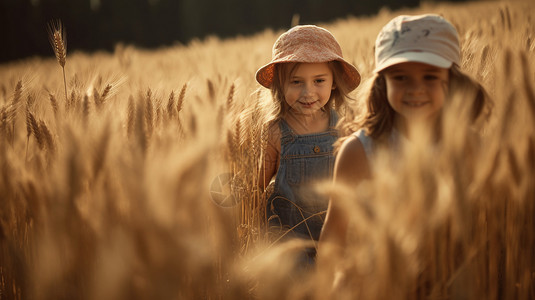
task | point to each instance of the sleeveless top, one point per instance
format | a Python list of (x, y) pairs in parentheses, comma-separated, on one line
[(367, 143), (395, 141), (294, 208)]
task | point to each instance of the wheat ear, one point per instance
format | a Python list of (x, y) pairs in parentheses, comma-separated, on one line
[(101, 98), (149, 114), (58, 40), (29, 103), (85, 109), (211, 91), (236, 139), (54, 104), (15, 103), (36, 130), (180, 103), (171, 105), (18, 93), (230, 96), (131, 114), (106, 92), (47, 137), (96, 98), (140, 125)]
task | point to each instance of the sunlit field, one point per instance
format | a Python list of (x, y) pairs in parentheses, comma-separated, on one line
[(138, 181)]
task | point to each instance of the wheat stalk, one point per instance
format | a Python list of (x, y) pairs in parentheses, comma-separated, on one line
[(28, 124), (236, 140), (159, 113), (193, 125), (85, 109), (528, 84), (171, 105), (15, 103), (230, 97), (211, 90), (131, 116), (58, 40), (36, 130), (149, 114), (71, 102), (422, 229), (505, 17), (3, 118), (101, 150), (7, 120), (530, 154), (232, 150), (181, 96), (140, 124), (18, 93), (54, 104), (4, 91), (180, 104), (105, 92), (28, 127), (47, 137), (100, 98)]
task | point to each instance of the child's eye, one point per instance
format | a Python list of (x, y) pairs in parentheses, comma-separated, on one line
[(430, 77), (399, 77), (320, 80), (295, 82)]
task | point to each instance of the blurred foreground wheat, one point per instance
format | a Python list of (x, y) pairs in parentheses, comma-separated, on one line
[(107, 194)]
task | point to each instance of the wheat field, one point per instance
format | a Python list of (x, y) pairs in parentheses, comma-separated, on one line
[(135, 178)]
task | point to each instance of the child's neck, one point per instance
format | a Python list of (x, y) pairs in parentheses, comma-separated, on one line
[(307, 123), (413, 128)]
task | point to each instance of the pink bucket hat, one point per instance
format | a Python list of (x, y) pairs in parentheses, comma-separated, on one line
[(428, 39), (307, 44)]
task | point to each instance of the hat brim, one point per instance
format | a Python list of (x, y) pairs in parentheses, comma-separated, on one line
[(414, 56), (265, 74)]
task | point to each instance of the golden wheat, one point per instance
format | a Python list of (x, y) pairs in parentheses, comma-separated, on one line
[(112, 199), (58, 40), (149, 114), (130, 116), (47, 137), (171, 105), (54, 104)]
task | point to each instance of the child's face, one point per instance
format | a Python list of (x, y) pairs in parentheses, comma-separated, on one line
[(416, 90), (309, 87)]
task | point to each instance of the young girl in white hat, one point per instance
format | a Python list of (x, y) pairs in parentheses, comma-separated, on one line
[(309, 80), (417, 72)]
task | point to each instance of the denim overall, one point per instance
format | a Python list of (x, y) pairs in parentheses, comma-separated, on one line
[(294, 209)]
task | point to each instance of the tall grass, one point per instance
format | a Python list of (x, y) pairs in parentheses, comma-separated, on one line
[(108, 193)]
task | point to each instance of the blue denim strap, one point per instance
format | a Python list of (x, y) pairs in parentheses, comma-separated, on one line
[(333, 119), (287, 135)]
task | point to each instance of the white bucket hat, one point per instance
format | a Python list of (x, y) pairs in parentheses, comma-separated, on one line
[(428, 39)]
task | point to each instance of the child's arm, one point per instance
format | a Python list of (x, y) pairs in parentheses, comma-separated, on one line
[(351, 167), (271, 158)]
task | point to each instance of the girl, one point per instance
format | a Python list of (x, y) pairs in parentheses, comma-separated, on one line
[(417, 72), (309, 80)]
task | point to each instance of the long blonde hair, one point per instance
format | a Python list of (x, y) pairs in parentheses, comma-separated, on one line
[(283, 71)]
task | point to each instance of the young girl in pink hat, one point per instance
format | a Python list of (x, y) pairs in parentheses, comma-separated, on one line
[(309, 81), (417, 71)]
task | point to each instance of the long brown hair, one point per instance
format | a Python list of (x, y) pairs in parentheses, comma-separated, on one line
[(377, 116)]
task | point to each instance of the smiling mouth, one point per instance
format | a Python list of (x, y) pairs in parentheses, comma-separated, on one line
[(415, 103), (307, 103)]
